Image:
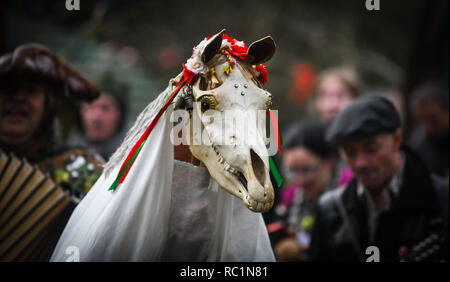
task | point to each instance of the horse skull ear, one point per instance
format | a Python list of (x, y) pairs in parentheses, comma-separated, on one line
[(213, 47), (261, 51)]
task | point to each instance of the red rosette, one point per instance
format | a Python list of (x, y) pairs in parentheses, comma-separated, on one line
[(188, 75), (236, 50), (239, 51), (227, 37), (263, 77)]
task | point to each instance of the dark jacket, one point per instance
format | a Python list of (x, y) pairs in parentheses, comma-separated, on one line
[(420, 208)]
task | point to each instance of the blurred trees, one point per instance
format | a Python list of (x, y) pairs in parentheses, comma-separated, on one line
[(396, 47)]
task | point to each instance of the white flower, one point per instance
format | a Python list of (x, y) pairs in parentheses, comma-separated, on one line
[(195, 65), (225, 44), (240, 43), (90, 166), (79, 161)]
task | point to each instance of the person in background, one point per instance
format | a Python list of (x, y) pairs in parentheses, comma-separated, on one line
[(393, 204), (429, 107), (33, 81), (101, 126), (310, 169), (335, 88)]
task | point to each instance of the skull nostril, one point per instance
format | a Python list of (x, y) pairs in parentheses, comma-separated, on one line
[(258, 168)]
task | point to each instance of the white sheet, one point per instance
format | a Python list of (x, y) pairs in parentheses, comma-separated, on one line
[(165, 210)]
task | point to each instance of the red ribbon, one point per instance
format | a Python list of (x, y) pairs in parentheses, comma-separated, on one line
[(275, 127), (132, 156), (188, 77)]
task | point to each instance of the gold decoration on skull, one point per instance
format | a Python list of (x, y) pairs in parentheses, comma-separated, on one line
[(269, 103), (213, 80), (207, 102), (228, 68)]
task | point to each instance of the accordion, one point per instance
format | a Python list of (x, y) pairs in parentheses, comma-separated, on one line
[(33, 211)]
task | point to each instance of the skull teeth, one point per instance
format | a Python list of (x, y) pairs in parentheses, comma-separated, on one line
[(258, 206), (225, 164)]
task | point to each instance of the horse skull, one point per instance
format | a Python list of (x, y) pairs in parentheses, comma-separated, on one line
[(230, 115)]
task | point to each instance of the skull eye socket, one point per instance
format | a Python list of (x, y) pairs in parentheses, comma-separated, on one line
[(207, 102), (205, 106)]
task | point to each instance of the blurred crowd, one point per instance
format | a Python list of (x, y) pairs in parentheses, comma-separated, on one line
[(352, 178)]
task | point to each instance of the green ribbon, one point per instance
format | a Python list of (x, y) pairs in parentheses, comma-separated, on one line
[(122, 172), (275, 173), (137, 147)]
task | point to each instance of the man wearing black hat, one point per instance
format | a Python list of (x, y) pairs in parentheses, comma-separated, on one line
[(33, 83), (393, 209)]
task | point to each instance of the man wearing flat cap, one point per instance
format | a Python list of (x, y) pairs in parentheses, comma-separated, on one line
[(33, 82), (394, 209)]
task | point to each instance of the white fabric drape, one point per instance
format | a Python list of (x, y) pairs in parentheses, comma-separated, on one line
[(165, 210)]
